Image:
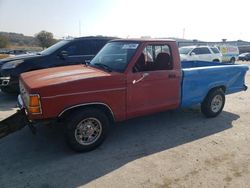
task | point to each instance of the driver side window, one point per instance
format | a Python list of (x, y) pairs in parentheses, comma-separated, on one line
[(154, 58), (73, 49), (201, 51), (81, 47)]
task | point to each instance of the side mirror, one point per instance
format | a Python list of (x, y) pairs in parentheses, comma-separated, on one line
[(192, 53), (63, 54)]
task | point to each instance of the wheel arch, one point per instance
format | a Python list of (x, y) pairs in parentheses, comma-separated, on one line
[(216, 60), (223, 87), (232, 59), (98, 105)]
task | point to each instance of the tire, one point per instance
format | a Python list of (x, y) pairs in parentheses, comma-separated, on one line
[(86, 129), (213, 103), (232, 60)]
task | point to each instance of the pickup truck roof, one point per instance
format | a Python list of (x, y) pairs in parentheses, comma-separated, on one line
[(94, 37), (144, 40)]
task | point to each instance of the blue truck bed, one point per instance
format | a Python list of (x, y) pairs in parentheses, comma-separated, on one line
[(199, 77)]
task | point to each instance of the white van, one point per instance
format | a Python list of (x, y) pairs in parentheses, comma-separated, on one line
[(229, 53)]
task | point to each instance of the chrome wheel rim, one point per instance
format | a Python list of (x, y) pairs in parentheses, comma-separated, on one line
[(88, 131), (216, 103)]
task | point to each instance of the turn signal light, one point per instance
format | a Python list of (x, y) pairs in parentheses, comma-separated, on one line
[(34, 104), (34, 110), (34, 101)]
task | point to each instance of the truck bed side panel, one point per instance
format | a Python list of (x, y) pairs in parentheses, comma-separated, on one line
[(200, 77)]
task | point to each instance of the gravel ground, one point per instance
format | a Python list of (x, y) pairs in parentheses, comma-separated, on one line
[(172, 149)]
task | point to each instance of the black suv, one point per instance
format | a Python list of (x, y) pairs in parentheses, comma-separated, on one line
[(65, 52)]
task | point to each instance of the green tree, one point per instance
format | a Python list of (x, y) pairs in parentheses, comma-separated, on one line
[(45, 39), (3, 41)]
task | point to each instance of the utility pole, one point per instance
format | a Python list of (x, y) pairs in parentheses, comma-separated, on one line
[(80, 33)]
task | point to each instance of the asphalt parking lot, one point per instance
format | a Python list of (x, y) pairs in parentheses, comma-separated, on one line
[(178, 148)]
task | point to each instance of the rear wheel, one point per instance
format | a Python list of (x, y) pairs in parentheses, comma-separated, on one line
[(216, 60), (213, 103), (86, 129)]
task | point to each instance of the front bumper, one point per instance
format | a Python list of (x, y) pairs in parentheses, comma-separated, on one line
[(14, 122)]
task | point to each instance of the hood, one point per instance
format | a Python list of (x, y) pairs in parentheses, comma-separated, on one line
[(243, 55), (68, 79), (19, 57), (183, 57)]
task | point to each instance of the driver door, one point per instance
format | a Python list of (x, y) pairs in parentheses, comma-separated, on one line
[(153, 84)]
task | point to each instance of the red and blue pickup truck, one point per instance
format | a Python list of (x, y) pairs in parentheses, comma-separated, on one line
[(126, 79)]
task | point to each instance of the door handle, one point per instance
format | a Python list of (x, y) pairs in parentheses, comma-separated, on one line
[(144, 75)]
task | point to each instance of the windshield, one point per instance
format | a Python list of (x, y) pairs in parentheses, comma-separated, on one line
[(115, 56), (54, 47), (185, 50)]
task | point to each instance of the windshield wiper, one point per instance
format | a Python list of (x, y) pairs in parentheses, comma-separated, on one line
[(106, 67)]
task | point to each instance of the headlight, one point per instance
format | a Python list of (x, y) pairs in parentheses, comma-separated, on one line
[(12, 64)]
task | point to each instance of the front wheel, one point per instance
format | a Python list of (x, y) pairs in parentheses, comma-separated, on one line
[(86, 129), (232, 60), (213, 103)]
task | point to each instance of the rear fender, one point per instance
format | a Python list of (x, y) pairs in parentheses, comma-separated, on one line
[(215, 86)]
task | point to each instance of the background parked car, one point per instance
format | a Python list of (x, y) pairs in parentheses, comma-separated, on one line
[(65, 52), (229, 53), (17, 52), (244, 57), (200, 53), (4, 53)]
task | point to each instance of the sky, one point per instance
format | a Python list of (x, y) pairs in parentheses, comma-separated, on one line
[(208, 20)]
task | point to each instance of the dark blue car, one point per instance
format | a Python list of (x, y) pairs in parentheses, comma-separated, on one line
[(65, 52)]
